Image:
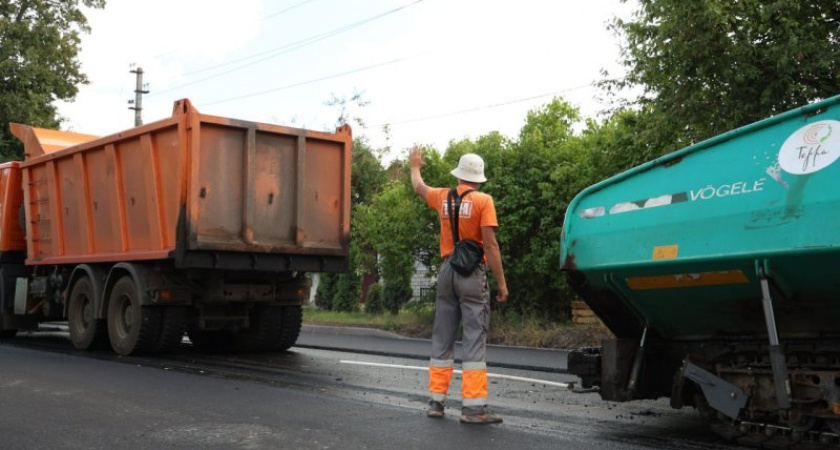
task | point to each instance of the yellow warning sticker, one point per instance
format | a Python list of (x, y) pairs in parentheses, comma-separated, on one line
[(665, 252)]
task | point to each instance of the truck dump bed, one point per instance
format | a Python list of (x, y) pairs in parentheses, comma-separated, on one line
[(11, 196), (678, 244), (201, 190)]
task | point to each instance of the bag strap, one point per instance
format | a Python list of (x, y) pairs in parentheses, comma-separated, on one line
[(453, 206), (453, 219)]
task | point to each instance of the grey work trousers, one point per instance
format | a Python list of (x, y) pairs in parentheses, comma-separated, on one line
[(462, 299)]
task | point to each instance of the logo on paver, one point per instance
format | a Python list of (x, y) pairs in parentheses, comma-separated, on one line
[(811, 148)]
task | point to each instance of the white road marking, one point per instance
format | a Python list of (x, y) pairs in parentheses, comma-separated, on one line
[(489, 375)]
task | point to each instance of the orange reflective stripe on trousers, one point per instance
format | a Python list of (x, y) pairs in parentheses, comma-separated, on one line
[(474, 384), (439, 379)]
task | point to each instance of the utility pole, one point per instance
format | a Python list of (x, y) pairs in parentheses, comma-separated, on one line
[(138, 96)]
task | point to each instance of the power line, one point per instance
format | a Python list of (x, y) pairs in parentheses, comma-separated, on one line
[(287, 9), (309, 40), (282, 11), (283, 49), (480, 108), (302, 83)]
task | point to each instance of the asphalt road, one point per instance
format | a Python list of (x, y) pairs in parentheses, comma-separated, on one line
[(54, 397), (376, 342), (64, 401)]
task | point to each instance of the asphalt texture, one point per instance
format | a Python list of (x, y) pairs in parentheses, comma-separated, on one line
[(54, 397), (378, 342), (57, 400)]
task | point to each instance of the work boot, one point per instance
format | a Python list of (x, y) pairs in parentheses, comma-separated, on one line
[(435, 409), (484, 418)]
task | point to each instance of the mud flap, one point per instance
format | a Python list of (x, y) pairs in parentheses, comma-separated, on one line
[(720, 394)]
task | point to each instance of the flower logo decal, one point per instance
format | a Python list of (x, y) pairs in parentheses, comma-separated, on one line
[(811, 148)]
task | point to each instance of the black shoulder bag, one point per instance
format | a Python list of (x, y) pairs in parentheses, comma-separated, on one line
[(466, 254)]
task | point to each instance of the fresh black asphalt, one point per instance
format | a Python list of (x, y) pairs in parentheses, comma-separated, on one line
[(376, 342), (63, 401)]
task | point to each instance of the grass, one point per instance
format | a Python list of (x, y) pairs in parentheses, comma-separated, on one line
[(505, 329), (408, 322), (534, 331)]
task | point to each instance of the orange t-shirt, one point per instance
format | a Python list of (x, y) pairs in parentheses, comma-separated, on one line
[(477, 210)]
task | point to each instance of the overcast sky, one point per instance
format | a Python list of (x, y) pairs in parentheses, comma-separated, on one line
[(435, 70)]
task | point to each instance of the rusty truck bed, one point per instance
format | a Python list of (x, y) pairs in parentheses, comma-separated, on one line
[(202, 190), (11, 196)]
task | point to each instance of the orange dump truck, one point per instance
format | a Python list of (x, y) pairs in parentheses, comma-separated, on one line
[(197, 224)]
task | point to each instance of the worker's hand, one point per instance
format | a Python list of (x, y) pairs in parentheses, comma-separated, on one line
[(503, 294), (416, 158)]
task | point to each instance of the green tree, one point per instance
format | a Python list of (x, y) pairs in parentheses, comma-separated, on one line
[(612, 146), (368, 177), (342, 292), (39, 45), (347, 292), (532, 180), (373, 302), (706, 67), (346, 107), (398, 226), (326, 291), (396, 293), (532, 184)]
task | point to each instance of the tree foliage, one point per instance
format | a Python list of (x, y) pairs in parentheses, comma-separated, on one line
[(374, 303), (39, 45), (368, 177), (706, 67), (395, 294), (342, 292), (397, 228), (702, 68), (539, 175), (532, 179)]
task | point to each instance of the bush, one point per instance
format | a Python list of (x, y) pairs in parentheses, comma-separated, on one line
[(395, 294), (429, 296), (348, 291), (326, 291), (338, 292), (422, 310), (374, 303)]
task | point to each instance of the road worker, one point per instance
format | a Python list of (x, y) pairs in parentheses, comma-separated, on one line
[(462, 297)]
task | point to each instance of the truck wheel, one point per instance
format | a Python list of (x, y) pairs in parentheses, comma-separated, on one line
[(173, 326), (290, 323), (264, 331), (211, 340), (133, 328), (8, 334), (86, 331)]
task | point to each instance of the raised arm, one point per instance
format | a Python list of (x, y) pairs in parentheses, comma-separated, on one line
[(494, 260), (416, 161)]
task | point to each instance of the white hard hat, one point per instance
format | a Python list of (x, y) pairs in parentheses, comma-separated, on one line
[(470, 168)]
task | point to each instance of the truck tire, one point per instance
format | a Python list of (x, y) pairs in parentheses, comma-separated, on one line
[(133, 329), (290, 323), (264, 332), (86, 331), (173, 326), (7, 334), (211, 340)]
